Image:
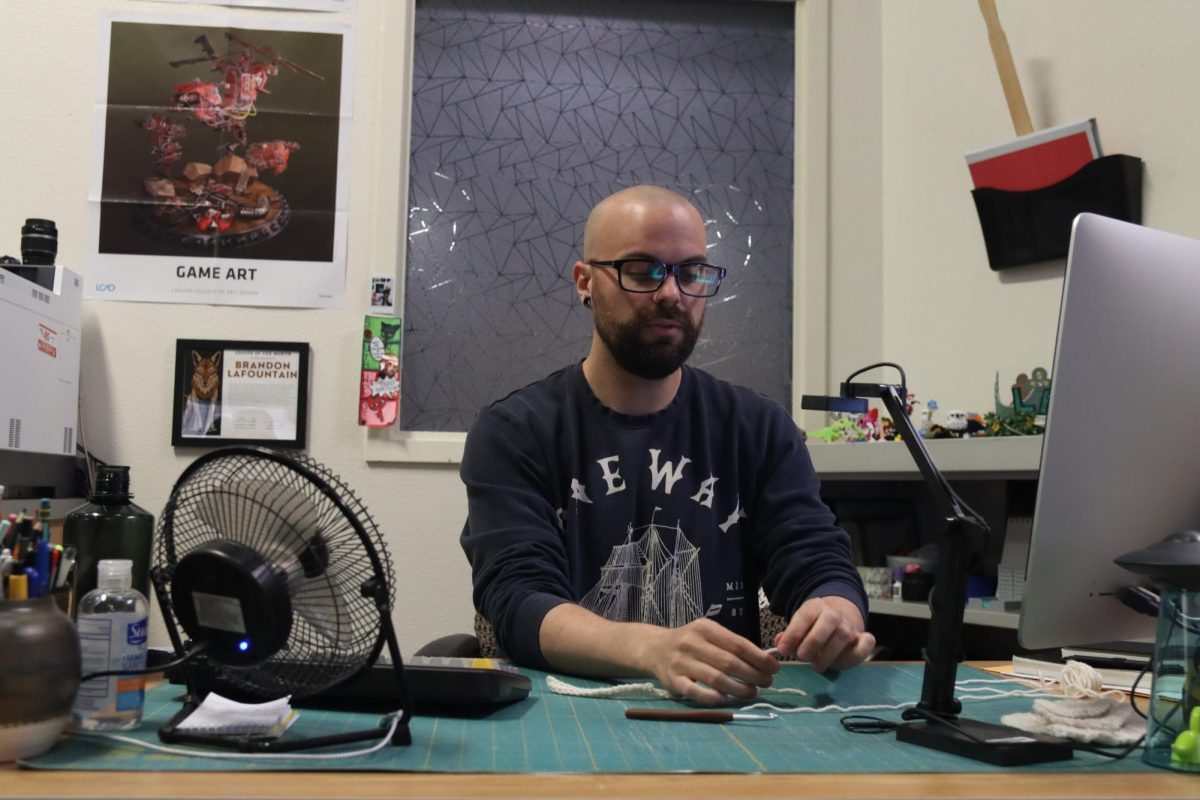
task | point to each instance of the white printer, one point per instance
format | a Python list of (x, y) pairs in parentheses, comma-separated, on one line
[(39, 374)]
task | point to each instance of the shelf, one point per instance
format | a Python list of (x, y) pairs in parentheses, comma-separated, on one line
[(972, 616), (999, 458)]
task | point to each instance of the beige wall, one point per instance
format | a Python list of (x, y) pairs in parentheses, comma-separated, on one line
[(912, 87), (1131, 64), (48, 58)]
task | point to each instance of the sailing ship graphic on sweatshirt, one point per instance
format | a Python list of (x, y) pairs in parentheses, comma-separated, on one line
[(651, 577)]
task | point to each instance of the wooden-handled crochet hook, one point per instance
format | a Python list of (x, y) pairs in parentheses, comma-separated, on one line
[(692, 715)]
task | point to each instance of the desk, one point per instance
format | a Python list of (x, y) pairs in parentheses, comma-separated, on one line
[(348, 785), (351, 786)]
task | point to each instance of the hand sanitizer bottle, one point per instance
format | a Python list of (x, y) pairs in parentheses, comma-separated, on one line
[(112, 636)]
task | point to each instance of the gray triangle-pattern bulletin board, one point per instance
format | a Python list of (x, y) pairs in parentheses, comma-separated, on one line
[(524, 114)]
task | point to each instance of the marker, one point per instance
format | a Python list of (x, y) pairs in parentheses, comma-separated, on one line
[(18, 587), (11, 537), (65, 565), (42, 562), (55, 559), (692, 715), (44, 519)]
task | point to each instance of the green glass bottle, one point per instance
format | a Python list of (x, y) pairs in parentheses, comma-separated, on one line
[(109, 525)]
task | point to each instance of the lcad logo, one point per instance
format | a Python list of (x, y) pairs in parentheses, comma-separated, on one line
[(106, 287)]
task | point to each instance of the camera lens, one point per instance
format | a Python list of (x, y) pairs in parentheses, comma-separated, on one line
[(39, 241)]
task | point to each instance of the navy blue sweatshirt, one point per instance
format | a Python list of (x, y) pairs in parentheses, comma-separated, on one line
[(661, 518)]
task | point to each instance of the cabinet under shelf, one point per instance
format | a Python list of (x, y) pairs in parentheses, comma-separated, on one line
[(868, 480)]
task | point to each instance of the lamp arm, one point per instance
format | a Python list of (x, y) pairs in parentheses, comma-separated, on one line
[(956, 548), (934, 722), (948, 505)]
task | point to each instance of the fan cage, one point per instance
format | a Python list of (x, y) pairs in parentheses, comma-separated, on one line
[(275, 502)]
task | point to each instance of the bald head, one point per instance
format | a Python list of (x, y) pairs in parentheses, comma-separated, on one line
[(630, 209)]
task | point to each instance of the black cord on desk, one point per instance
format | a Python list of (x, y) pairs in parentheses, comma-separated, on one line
[(196, 650)]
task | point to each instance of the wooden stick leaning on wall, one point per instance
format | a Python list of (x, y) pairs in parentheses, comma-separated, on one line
[(1008, 72)]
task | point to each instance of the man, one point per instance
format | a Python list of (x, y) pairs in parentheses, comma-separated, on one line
[(624, 511)]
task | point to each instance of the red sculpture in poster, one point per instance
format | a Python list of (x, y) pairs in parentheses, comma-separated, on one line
[(222, 203)]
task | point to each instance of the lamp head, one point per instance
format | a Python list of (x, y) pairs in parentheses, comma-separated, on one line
[(1175, 561), (851, 400), (844, 405)]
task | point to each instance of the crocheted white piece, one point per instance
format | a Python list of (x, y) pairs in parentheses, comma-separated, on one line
[(1105, 721), (622, 691), (1089, 714)]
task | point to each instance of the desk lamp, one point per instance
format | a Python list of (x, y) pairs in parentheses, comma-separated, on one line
[(934, 722)]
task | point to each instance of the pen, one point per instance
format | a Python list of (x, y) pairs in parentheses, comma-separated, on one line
[(33, 582), (691, 715)]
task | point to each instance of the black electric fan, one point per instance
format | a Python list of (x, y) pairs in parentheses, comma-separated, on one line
[(281, 584)]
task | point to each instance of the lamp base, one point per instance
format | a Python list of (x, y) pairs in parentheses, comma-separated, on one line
[(984, 741)]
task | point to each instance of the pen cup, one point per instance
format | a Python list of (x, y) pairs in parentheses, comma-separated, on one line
[(39, 675)]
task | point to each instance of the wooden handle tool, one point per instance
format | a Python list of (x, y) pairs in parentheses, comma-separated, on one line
[(1008, 72), (691, 715)]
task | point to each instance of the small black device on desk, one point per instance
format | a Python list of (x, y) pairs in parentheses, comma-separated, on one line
[(435, 683), (449, 685)]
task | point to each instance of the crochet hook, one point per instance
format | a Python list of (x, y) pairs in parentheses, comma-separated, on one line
[(692, 715)]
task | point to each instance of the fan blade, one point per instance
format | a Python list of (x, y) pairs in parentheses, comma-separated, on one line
[(279, 521)]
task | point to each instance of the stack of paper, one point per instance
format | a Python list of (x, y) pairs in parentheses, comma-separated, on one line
[(1010, 575), (1037, 159), (219, 715)]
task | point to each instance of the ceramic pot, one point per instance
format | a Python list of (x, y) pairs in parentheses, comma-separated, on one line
[(39, 675)]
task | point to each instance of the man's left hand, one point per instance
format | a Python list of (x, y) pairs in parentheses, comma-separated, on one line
[(827, 632)]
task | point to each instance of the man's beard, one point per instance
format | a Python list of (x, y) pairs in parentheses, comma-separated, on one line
[(652, 361)]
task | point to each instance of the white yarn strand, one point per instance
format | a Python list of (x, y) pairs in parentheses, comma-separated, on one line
[(632, 691), (1077, 681)]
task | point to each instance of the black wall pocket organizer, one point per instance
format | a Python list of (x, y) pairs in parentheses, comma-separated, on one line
[(1035, 225)]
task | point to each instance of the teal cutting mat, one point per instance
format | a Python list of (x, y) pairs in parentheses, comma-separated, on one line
[(549, 733)]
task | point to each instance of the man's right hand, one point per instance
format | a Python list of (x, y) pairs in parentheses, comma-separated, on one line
[(707, 663)]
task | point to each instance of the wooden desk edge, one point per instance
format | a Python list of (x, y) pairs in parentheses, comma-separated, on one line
[(366, 785)]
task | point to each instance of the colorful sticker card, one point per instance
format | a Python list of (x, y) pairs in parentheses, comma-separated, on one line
[(379, 387)]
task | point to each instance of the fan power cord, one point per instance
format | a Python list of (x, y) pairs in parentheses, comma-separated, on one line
[(196, 650), (181, 751)]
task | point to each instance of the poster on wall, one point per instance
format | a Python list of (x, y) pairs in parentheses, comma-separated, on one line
[(302, 5), (220, 161)]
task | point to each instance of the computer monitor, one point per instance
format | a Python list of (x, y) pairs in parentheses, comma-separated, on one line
[(1121, 453)]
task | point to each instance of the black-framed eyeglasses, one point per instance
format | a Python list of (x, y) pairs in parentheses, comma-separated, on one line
[(694, 278)]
